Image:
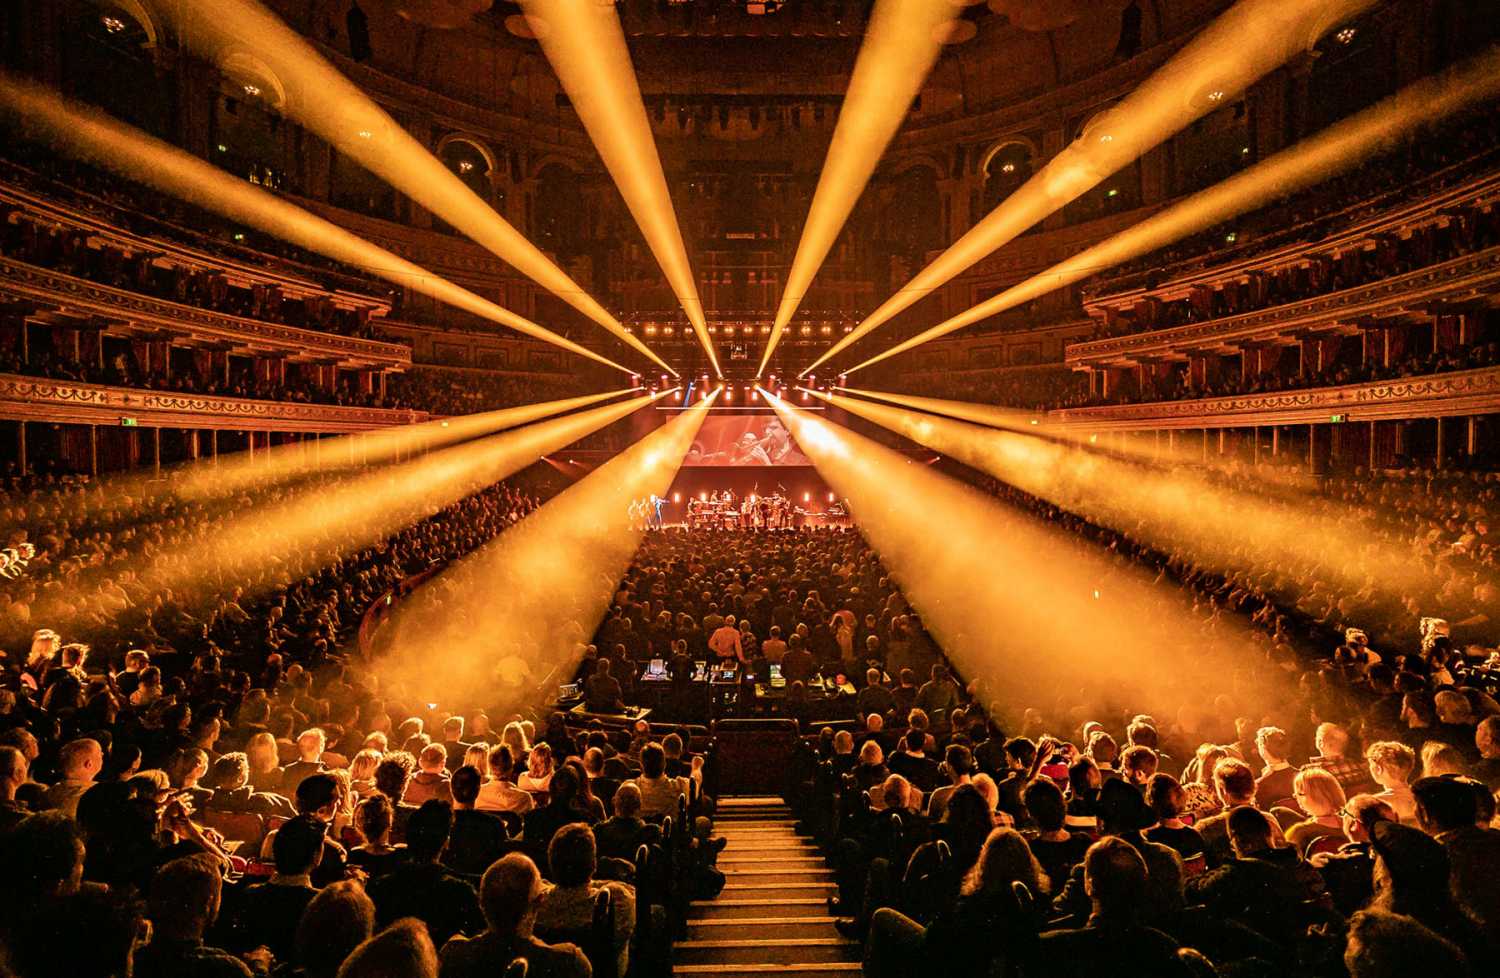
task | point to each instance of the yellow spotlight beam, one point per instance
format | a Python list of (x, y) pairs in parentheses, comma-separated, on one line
[(1340, 147), (900, 46), (586, 45), (92, 136), (255, 47), (1175, 508), (309, 528), (493, 625), (1247, 41), (1021, 606), (285, 462)]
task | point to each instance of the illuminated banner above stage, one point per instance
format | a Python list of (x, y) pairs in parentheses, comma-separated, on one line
[(745, 439)]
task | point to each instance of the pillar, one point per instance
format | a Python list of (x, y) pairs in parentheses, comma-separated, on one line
[(93, 449), (156, 452), (21, 467)]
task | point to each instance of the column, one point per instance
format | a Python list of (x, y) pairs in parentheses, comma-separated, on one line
[(21, 447), (93, 449), (156, 451)]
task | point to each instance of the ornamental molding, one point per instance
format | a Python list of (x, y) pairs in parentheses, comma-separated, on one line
[(1433, 207), (21, 280), (73, 402), (1477, 273), (1461, 392), (102, 228)]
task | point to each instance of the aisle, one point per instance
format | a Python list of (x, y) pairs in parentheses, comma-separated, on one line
[(773, 913)]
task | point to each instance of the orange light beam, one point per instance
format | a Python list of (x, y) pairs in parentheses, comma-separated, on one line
[(900, 47), (252, 45), (1246, 42), (88, 134), (498, 621), (1340, 147), (585, 43), (234, 472)]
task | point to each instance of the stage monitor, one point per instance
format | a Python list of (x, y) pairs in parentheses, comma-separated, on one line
[(744, 439)]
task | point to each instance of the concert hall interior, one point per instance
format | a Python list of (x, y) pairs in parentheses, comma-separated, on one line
[(633, 488)]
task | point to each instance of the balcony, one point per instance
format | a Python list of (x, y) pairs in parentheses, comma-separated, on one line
[(1409, 297), (1460, 393), (71, 402)]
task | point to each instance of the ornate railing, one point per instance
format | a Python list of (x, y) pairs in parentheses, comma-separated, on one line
[(1460, 278), (1462, 392), (72, 402), (86, 299)]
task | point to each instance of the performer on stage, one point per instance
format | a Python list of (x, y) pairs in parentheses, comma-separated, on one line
[(657, 505)]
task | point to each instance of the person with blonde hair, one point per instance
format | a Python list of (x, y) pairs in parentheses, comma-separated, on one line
[(477, 756), (537, 777), (513, 735), (1439, 759), (265, 766), (362, 772), (1391, 763), (1319, 794)]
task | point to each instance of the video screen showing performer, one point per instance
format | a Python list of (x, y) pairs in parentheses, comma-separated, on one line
[(744, 440)]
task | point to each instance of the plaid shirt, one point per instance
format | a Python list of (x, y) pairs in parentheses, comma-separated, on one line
[(1353, 776)]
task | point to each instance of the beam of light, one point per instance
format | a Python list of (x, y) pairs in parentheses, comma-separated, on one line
[(1246, 42), (1024, 608), (233, 473), (514, 615), (900, 47), (302, 529), (1178, 509), (245, 38), (586, 45), (1343, 146), (90, 135)]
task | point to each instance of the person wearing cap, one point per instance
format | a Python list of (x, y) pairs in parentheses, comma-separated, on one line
[(1447, 810)]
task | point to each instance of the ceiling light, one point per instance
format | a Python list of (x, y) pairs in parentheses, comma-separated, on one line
[(1106, 138), (365, 134), (1008, 168), (252, 90), (464, 166), (1216, 95), (112, 24), (1346, 35)]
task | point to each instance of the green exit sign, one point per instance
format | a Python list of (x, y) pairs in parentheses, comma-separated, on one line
[(129, 422), (1338, 418)]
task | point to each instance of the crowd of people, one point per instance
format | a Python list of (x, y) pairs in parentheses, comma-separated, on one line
[(1178, 385), (1344, 833), (453, 392), (1445, 157), (1466, 232)]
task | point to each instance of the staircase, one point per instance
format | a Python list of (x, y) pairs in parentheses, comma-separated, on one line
[(772, 914)]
